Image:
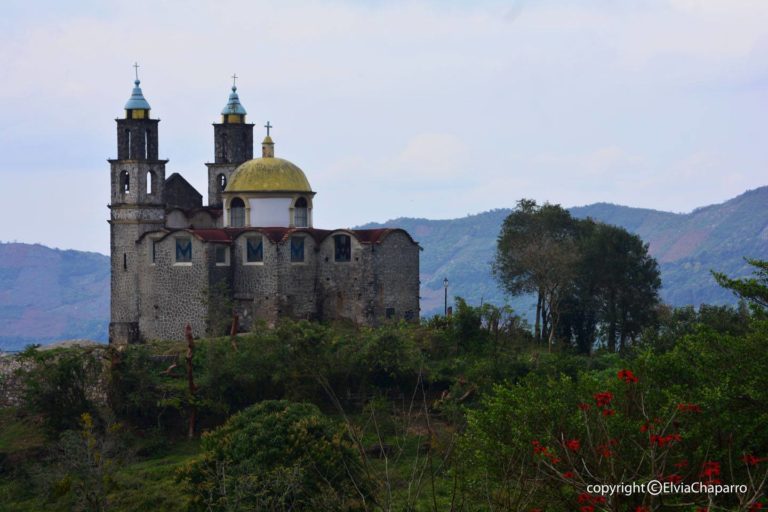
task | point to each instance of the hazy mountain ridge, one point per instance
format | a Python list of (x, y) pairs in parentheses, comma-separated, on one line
[(48, 294)]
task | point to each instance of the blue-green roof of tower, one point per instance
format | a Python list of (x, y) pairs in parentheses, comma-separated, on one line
[(137, 100), (234, 106)]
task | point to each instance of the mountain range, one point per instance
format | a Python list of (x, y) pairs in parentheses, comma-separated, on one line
[(48, 295)]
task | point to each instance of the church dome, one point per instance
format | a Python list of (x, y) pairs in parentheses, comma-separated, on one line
[(268, 175)]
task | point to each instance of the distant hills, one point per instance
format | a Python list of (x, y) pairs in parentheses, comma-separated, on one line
[(48, 295)]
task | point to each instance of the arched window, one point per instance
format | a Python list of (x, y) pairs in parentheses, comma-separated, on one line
[(237, 213), (150, 182), (221, 180), (125, 182), (300, 213)]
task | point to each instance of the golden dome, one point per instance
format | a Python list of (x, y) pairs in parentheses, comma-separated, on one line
[(268, 175)]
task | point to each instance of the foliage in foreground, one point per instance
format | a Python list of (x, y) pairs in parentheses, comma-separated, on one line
[(278, 455)]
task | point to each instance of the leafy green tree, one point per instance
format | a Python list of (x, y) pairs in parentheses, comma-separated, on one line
[(615, 292), (536, 253), (753, 289), (278, 455)]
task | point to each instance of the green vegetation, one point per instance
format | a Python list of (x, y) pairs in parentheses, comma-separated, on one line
[(471, 412), (466, 413)]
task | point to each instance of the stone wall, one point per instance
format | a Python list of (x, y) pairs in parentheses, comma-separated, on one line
[(170, 294)]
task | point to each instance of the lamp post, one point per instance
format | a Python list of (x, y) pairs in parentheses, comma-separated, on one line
[(445, 285)]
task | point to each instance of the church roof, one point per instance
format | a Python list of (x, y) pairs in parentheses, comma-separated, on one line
[(137, 100), (268, 175), (277, 235)]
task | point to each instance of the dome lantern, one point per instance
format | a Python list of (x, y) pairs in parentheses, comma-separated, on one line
[(233, 111), (137, 107)]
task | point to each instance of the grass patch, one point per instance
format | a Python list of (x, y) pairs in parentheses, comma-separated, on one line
[(19, 433)]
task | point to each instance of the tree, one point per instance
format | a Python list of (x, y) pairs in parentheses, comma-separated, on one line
[(753, 289), (590, 278), (536, 253), (616, 289)]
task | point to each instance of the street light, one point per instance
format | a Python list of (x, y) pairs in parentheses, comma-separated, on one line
[(445, 285)]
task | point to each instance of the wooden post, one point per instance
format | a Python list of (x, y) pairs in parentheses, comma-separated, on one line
[(191, 382)]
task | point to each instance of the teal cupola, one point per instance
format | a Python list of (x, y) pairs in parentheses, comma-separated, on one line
[(137, 107), (233, 111)]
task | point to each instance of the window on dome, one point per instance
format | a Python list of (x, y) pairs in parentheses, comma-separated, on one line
[(254, 249), (184, 250), (297, 249), (300, 213), (343, 247), (237, 213)]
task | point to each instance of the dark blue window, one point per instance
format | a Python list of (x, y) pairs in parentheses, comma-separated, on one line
[(297, 248), (343, 247), (183, 250), (254, 250)]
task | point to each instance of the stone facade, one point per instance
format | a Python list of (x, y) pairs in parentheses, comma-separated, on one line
[(173, 258)]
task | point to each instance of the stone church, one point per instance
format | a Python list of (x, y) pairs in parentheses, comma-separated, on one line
[(252, 247)]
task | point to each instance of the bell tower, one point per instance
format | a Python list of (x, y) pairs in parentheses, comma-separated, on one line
[(136, 207), (233, 145)]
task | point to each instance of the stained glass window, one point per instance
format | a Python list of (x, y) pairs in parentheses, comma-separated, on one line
[(183, 250), (254, 249), (297, 248)]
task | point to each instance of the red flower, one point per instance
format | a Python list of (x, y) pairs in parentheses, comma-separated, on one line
[(688, 407), (538, 448), (587, 508), (583, 406), (573, 445), (751, 460), (711, 470), (627, 376), (608, 412), (674, 478), (603, 399), (755, 506), (641, 508), (681, 464), (662, 441), (569, 474), (604, 450)]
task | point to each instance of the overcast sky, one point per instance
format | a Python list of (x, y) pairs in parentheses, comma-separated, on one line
[(418, 109)]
